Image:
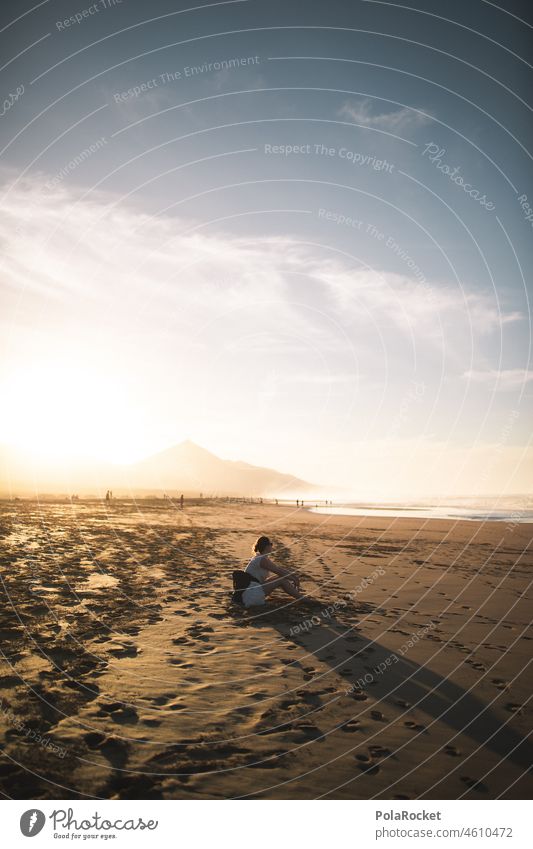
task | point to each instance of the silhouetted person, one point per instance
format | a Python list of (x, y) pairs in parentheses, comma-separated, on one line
[(181, 501)]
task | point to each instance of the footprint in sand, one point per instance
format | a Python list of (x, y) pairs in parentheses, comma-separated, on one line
[(414, 726), (513, 708), (377, 715), (359, 696), (351, 726), (124, 651), (161, 700), (261, 695), (500, 684), (94, 739), (366, 764), (453, 751), (309, 731), (379, 751), (115, 750), (105, 708), (150, 721), (402, 703), (125, 715)]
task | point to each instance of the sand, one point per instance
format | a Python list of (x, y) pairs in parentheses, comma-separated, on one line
[(127, 673)]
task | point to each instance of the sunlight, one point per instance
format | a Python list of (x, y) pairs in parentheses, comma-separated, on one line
[(59, 409)]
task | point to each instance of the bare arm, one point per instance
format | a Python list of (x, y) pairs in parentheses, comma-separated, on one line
[(267, 563)]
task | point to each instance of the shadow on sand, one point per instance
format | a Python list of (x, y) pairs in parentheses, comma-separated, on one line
[(371, 669)]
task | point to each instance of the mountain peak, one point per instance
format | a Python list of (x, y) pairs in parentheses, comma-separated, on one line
[(192, 447), (188, 466)]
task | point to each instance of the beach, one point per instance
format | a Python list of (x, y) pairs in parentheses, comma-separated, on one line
[(127, 673)]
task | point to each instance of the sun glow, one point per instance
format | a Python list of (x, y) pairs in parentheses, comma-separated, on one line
[(60, 409)]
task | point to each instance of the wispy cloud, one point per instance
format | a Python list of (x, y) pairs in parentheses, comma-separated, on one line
[(97, 257), (500, 380), (364, 112)]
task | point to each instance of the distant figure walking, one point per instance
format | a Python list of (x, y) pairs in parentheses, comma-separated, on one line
[(297, 502), (259, 567), (181, 501), (107, 495)]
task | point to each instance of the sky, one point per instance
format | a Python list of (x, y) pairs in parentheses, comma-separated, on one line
[(296, 234)]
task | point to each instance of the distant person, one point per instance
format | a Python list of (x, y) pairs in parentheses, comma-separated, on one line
[(297, 503), (276, 502), (107, 496), (181, 501), (259, 567)]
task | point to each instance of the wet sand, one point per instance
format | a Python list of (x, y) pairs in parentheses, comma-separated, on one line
[(127, 673)]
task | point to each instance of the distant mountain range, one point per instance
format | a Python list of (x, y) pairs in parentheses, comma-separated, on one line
[(186, 468)]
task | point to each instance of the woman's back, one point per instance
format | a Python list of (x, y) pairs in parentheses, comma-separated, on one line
[(255, 569)]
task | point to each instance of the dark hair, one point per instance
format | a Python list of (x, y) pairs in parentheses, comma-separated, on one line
[(261, 544)]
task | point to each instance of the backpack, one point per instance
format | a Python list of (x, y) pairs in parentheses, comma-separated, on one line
[(241, 582)]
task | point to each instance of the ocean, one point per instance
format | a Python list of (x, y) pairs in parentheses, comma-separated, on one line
[(518, 515)]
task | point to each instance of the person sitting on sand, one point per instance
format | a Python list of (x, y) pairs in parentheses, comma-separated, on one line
[(259, 567)]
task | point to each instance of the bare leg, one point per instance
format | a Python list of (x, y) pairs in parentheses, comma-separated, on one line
[(285, 584)]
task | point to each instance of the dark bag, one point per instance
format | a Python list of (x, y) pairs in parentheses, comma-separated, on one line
[(241, 582)]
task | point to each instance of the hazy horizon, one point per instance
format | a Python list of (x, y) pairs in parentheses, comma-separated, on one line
[(44, 486)]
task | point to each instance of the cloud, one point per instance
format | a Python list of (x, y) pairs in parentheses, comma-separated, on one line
[(97, 263), (502, 380), (362, 112), (183, 328)]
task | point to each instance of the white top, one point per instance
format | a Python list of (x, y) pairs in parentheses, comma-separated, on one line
[(255, 569)]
